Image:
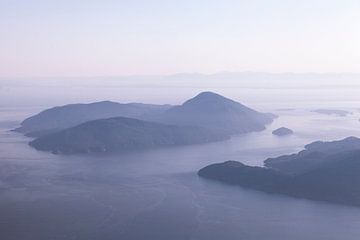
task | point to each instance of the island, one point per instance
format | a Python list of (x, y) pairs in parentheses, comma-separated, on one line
[(122, 135), (107, 127), (218, 113), (283, 131), (62, 117), (207, 109), (340, 113), (324, 171)]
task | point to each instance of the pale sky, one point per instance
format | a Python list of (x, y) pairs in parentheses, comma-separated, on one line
[(121, 37)]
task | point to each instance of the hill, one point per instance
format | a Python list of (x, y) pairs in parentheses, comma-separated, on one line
[(325, 171), (207, 110), (122, 135), (215, 112), (58, 118)]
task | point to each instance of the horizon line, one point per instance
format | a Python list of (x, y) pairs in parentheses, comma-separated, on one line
[(179, 74)]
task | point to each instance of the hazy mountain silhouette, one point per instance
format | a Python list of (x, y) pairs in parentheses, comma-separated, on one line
[(208, 110), (58, 118), (213, 111), (314, 155), (283, 131), (122, 135)]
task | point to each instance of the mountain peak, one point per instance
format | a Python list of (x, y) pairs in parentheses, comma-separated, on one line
[(213, 111), (208, 94), (209, 97)]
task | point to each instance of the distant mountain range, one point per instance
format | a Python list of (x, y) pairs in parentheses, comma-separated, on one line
[(101, 127), (326, 171)]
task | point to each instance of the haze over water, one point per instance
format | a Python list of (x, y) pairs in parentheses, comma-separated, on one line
[(283, 57), (157, 194)]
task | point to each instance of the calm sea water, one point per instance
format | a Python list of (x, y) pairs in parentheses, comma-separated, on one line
[(158, 195)]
